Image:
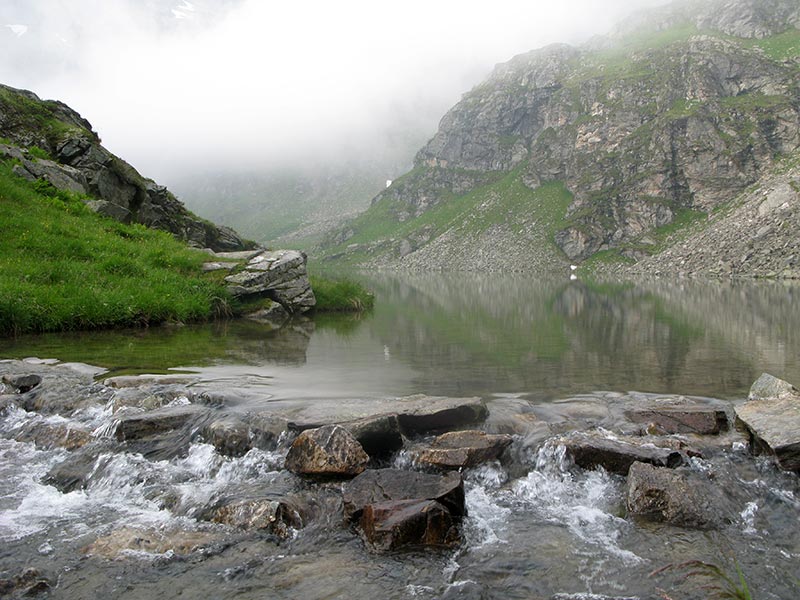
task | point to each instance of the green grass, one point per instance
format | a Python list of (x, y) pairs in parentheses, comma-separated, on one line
[(780, 47), (63, 267), (340, 295)]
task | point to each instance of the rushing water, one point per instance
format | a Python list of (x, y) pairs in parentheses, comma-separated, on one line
[(561, 353)]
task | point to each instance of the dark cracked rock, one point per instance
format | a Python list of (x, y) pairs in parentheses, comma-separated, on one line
[(402, 523)]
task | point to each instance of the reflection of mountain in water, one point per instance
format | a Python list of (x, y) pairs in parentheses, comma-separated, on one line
[(474, 333)]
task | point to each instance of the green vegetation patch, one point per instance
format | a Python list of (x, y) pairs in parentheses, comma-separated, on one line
[(780, 47), (340, 294), (62, 267), (37, 116)]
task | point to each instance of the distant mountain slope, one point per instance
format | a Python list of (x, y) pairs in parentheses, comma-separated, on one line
[(51, 141), (669, 118)]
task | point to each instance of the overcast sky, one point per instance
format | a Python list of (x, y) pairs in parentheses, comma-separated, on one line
[(179, 84)]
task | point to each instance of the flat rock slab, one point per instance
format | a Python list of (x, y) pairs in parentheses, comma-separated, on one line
[(673, 497), (617, 456), (146, 424), (131, 541), (129, 381), (415, 414), (461, 449), (774, 427), (690, 419), (376, 486)]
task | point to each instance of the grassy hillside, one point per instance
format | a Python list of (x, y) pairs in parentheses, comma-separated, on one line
[(62, 267)]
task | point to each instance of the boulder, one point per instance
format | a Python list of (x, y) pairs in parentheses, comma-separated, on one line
[(278, 275), (690, 419), (230, 436), (767, 387), (617, 456), (266, 514), (396, 524), (391, 485), (774, 425), (673, 497), (329, 450), (462, 449), (28, 583), (48, 436), (379, 435), (74, 472)]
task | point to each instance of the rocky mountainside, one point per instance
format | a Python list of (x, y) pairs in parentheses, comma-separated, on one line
[(600, 151), (51, 141)]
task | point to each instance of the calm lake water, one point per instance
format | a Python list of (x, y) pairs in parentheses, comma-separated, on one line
[(559, 350)]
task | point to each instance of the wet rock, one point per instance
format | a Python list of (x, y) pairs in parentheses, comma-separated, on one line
[(774, 427), (379, 435), (279, 275), (673, 497), (396, 524), (462, 449), (392, 485), (130, 541), (697, 419), (464, 590), (266, 430), (47, 436), (768, 386), (329, 450), (74, 472), (591, 597), (141, 425), (422, 414), (616, 456), (24, 382), (29, 583), (274, 516), (138, 381), (230, 436)]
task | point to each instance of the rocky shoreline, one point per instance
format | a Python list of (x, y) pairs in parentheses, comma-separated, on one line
[(390, 472)]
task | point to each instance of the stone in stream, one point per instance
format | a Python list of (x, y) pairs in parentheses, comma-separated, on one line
[(422, 414), (773, 422), (22, 382), (402, 523), (229, 435), (617, 456), (379, 435), (670, 496), (274, 516), (47, 436), (588, 596), (139, 425), (391, 485), (396, 508), (29, 583), (461, 449), (74, 472), (703, 420), (327, 451), (129, 540)]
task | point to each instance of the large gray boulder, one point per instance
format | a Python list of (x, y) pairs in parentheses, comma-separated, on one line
[(773, 420), (279, 275)]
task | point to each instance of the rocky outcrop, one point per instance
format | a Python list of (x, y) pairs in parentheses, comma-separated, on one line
[(643, 135), (82, 165), (672, 497), (773, 420), (280, 275), (327, 451)]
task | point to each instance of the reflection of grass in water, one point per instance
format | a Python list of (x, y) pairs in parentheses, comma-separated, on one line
[(151, 350)]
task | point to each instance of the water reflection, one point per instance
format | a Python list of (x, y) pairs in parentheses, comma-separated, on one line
[(484, 334)]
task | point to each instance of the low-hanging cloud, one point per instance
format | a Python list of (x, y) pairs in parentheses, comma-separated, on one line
[(181, 85)]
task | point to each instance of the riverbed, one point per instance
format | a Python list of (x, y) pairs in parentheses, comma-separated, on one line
[(545, 356)]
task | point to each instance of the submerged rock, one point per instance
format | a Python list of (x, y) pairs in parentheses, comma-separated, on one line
[(141, 425), (229, 435), (617, 456), (690, 419), (462, 449), (274, 516), (329, 450), (29, 583), (48, 436), (773, 422), (132, 541), (23, 382), (672, 497)]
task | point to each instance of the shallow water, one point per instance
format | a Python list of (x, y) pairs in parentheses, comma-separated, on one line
[(537, 526)]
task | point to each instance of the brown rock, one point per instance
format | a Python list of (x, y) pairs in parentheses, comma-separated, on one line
[(615, 456), (462, 449), (696, 419), (266, 514), (396, 524), (329, 450)]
